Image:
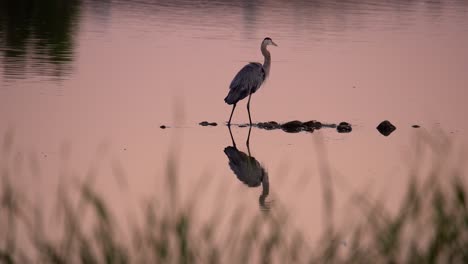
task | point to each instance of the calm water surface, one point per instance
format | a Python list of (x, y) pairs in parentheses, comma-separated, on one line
[(84, 87)]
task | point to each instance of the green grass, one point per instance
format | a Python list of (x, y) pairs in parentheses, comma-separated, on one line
[(430, 226)]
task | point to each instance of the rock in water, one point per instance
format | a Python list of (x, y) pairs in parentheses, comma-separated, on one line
[(344, 127), (206, 123), (268, 125), (386, 128), (312, 124), (293, 126)]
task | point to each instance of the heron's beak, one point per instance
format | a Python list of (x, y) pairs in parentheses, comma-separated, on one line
[(274, 44)]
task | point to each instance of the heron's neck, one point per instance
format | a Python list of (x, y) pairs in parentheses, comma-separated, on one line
[(265, 191), (265, 185), (267, 62)]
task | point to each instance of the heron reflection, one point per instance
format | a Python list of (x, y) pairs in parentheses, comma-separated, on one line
[(248, 170)]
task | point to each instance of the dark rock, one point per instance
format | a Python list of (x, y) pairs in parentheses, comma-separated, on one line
[(296, 126), (268, 125), (344, 127), (206, 123), (312, 124), (386, 128), (293, 126), (416, 126), (163, 127)]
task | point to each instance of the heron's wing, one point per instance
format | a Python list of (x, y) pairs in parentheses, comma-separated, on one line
[(249, 77), (247, 169), (247, 81)]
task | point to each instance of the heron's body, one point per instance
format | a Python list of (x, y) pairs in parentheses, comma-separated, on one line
[(249, 79)]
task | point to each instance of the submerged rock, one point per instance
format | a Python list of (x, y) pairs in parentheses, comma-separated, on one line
[(163, 127), (386, 128), (416, 126), (206, 123), (268, 125), (296, 126), (329, 125), (311, 125), (293, 126), (344, 127)]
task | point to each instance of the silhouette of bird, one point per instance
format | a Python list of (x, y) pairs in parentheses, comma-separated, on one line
[(248, 170), (249, 79)]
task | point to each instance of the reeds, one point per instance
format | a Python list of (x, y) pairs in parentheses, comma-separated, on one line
[(431, 226)]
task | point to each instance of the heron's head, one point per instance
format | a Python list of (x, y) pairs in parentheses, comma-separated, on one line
[(267, 41)]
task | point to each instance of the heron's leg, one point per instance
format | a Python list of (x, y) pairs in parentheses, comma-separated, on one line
[(247, 143), (232, 112), (232, 138), (248, 109)]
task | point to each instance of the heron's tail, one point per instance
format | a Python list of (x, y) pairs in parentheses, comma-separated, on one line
[(235, 95), (231, 98)]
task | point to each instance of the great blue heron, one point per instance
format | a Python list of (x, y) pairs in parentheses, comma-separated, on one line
[(248, 170), (249, 79)]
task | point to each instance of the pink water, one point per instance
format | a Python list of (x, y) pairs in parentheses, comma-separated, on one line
[(136, 65)]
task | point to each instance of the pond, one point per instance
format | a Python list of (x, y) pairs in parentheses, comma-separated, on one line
[(85, 87)]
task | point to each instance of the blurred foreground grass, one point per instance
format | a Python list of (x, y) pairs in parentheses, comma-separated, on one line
[(431, 226)]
